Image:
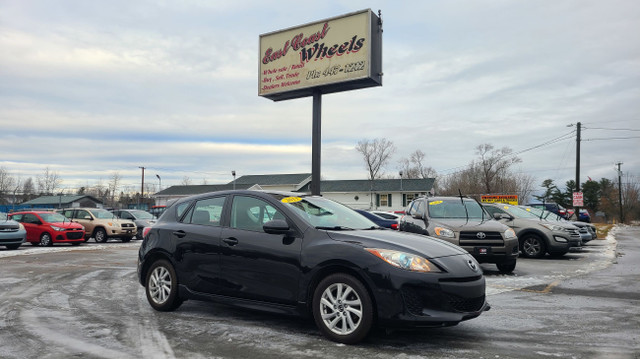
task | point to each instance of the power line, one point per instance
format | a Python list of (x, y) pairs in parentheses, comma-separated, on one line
[(612, 129), (610, 138)]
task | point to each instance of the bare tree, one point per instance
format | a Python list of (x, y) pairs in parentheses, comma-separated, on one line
[(113, 186), (376, 154), (6, 184), (186, 181), (48, 182), (494, 164), (28, 190)]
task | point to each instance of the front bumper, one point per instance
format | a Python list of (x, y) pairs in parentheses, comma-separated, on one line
[(410, 299)]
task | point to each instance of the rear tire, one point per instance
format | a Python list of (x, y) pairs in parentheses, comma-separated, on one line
[(342, 308), (161, 287)]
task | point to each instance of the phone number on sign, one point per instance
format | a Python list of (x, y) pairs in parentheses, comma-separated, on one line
[(336, 69)]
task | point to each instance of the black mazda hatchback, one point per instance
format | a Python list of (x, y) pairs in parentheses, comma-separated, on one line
[(293, 253)]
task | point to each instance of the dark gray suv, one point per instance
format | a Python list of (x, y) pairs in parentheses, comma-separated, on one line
[(463, 221), (537, 236)]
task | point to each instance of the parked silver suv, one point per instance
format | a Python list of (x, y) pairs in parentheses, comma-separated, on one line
[(537, 236), (463, 222)]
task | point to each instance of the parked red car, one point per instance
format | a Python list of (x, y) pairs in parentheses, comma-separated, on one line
[(46, 228)]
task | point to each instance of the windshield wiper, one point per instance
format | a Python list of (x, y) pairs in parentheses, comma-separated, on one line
[(335, 228)]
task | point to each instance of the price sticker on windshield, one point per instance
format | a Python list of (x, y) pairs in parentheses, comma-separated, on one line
[(434, 203), (291, 199)]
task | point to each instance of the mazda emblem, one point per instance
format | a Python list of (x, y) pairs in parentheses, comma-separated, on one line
[(472, 265), (481, 235)]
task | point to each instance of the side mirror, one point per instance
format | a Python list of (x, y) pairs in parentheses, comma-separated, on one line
[(499, 216), (277, 226), (418, 215)]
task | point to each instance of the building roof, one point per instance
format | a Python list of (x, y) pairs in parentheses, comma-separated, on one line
[(56, 200), (197, 189), (274, 179), (379, 185)]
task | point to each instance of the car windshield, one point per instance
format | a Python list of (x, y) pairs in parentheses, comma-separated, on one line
[(544, 214), (53, 217), (102, 213), (142, 215), (519, 212), (326, 214), (455, 208)]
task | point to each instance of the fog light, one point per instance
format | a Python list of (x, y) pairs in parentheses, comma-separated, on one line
[(560, 239)]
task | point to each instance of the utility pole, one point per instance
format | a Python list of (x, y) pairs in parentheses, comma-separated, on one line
[(142, 186), (620, 191), (577, 209)]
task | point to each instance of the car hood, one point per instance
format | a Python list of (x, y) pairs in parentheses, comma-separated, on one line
[(460, 224), (428, 247), (67, 225)]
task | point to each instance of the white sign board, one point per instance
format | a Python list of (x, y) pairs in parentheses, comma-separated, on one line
[(578, 199)]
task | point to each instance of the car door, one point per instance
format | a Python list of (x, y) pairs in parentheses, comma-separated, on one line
[(258, 265), (33, 226), (197, 241), (83, 217)]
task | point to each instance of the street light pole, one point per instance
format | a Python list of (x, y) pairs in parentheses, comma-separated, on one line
[(233, 173), (141, 186), (159, 183)]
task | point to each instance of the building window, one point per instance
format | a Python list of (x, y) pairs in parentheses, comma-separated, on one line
[(385, 200)]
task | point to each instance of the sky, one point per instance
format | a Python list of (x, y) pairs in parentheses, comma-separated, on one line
[(89, 89)]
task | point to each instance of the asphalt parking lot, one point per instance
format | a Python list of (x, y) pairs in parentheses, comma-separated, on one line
[(85, 302)]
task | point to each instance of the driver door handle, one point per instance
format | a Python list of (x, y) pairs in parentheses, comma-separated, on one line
[(230, 241), (179, 234)]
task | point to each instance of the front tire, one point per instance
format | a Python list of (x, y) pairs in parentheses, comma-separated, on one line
[(342, 308), (100, 235), (161, 287), (125, 239), (13, 246), (532, 246), (46, 240), (506, 267)]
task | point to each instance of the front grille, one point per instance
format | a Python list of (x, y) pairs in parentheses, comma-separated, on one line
[(481, 238), (417, 299), (464, 304), (9, 229), (127, 225), (74, 235)]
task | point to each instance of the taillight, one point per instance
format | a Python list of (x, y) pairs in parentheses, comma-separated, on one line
[(145, 231), (394, 226)]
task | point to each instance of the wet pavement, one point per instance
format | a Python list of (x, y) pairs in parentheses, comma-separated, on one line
[(85, 302)]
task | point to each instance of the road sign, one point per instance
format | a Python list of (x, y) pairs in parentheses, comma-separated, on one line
[(578, 199)]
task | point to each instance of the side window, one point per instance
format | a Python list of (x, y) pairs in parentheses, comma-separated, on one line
[(250, 213), (30, 218), (207, 212), (181, 208), (82, 215), (419, 207), (125, 215), (493, 210)]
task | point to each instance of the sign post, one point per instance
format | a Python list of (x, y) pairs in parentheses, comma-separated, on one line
[(333, 55)]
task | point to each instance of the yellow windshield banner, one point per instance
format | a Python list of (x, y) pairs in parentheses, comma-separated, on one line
[(291, 199), (510, 199)]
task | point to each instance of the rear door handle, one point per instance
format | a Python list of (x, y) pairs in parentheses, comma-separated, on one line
[(230, 241), (179, 234)]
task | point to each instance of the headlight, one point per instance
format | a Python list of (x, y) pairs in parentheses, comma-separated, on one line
[(59, 229), (21, 227), (552, 227), (444, 232), (509, 233), (404, 260)]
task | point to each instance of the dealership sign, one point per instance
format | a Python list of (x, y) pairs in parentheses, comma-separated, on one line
[(510, 199), (332, 55)]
